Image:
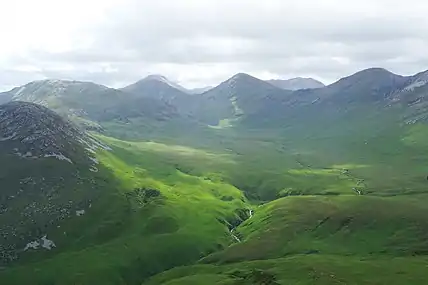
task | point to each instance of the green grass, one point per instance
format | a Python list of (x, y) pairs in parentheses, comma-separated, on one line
[(320, 240), (311, 224), (303, 270), (341, 225), (183, 224)]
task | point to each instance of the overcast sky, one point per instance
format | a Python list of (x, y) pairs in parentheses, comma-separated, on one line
[(203, 42)]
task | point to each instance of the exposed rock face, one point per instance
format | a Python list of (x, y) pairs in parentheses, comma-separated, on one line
[(45, 175)]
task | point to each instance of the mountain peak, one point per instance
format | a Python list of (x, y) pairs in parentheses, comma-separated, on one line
[(242, 79), (372, 75), (242, 76), (374, 70), (163, 79), (157, 77)]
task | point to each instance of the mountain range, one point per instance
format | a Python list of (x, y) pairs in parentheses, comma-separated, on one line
[(247, 182), (155, 98)]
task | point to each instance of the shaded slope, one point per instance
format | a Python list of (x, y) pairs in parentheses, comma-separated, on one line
[(158, 87), (90, 104), (48, 172), (240, 96)]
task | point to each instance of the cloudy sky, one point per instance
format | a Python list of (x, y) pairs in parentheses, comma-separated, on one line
[(202, 42)]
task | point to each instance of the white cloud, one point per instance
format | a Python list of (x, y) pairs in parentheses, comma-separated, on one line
[(196, 42)]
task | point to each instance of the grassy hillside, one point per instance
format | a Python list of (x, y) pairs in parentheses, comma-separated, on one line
[(302, 270), (155, 216), (337, 195), (321, 240), (342, 225), (172, 205)]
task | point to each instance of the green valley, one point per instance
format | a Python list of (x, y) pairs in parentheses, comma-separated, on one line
[(314, 186)]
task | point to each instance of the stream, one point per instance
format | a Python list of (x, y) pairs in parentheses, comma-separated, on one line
[(235, 237)]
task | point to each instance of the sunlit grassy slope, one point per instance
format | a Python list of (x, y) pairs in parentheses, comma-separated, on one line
[(365, 225), (321, 240), (320, 228), (302, 270), (144, 235), (342, 225)]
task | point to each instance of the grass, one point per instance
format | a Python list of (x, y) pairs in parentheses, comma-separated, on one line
[(320, 240), (309, 224), (303, 270), (183, 224), (341, 225)]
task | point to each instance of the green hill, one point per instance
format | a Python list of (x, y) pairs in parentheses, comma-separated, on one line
[(320, 240)]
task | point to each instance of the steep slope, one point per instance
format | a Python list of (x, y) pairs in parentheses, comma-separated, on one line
[(370, 85), (366, 92), (157, 87), (296, 83), (90, 104), (131, 217), (367, 86), (413, 97), (261, 104), (159, 90), (320, 240), (47, 176), (240, 96)]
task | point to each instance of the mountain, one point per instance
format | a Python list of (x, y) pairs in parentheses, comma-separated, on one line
[(289, 187), (142, 86), (69, 202), (48, 176), (342, 151), (241, 95), (296, 83), (366, 88), (157, 86), (90, 104), (372, 84)]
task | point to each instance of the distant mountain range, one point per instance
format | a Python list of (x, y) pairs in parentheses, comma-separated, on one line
[(296, 83), (238, 99)]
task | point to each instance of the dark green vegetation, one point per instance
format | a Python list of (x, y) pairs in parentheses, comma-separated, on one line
[(243, 184)]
